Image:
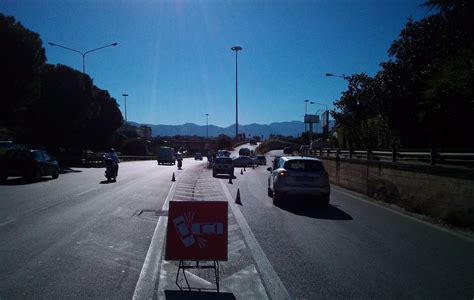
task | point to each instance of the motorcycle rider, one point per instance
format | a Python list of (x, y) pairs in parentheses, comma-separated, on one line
[(179, 158), (113, 156)]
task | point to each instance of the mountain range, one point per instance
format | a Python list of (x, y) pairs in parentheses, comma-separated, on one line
[(291, 128)]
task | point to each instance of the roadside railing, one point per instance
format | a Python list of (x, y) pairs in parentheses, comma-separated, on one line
[(453, 157)]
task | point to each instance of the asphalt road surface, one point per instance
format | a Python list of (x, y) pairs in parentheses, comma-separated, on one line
[(80, 237)]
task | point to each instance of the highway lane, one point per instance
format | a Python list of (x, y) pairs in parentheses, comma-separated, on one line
[(354, 249), (78, 236)]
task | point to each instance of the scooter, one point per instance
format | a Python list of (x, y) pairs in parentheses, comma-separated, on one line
[(110, 169)]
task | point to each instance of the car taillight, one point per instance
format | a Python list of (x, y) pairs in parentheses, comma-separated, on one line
[(282, 174)]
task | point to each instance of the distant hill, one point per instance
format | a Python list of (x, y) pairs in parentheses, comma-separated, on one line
[(292, 128)]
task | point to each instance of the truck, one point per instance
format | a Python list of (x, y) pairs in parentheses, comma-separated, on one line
[(166, 155)]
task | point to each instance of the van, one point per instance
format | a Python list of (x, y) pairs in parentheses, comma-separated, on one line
[(166, 155)]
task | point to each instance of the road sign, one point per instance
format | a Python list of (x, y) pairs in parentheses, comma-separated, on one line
[(197, 230)]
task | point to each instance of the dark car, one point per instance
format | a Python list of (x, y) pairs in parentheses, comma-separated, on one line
[(32, 164), (260, 160), (243, 162), (223, 165), (244, 151), (287, 150)]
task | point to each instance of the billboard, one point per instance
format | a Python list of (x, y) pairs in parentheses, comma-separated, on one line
[(311, 118), (197, 230)]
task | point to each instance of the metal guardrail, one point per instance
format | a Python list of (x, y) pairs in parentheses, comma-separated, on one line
[(431, 157)]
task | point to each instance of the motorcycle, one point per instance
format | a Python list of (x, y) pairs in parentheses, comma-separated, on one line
[(110, 169)]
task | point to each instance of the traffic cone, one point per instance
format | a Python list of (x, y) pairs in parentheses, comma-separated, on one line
[(241, 171), (237, 200), (245, 170), (172, 178), (253, 167), (230, 179)]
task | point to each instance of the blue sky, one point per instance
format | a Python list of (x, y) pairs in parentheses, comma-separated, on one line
[(174, 60)]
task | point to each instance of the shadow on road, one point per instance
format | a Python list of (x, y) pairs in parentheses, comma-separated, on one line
[(68, 170), (171, 295), (108, 181), (224, 176), (23, 181), (307, 208)]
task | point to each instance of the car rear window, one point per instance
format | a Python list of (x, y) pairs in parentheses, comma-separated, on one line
[(304, 165), (223, 160)]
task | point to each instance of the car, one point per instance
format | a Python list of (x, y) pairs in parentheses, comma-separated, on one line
[(244, 152), (223, 165), (260, 160), (198, 156), (299, 176), (287, 150), (243, 162), (32, 164)]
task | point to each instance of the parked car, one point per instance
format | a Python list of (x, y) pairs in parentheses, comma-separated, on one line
[(32, 164), (244, 151), (223, 165), (243, 162), (260, 160), (298, 176), (198, 156), (287, 150)]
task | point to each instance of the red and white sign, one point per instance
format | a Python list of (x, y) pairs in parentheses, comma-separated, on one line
[(197, 230)]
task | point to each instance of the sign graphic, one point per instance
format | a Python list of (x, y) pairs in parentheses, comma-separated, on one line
[(197, 230)]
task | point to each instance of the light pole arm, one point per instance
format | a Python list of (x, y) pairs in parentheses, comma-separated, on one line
[(111, 45), (60, 46)]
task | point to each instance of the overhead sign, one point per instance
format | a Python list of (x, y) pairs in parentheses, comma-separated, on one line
[(197, 230)]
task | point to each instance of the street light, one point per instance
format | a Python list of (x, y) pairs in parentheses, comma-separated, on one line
[(207, 126), (125, 97), (83, 53), (236, 49), (340, 76)]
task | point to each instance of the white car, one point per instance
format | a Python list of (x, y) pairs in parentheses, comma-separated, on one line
[(296, 176)]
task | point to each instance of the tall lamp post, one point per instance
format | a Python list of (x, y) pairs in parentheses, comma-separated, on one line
[(82, 53), (125, 97), (236, 49), (207, 126)]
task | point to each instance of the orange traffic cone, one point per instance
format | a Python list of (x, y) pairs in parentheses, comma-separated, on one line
[(172, 178), (237, 200), (241, 172)]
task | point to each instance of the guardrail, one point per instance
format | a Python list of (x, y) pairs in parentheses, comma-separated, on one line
[(431, 157)]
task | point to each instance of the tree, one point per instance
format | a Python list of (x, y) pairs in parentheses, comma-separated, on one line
[(22, 57), (72, 112)]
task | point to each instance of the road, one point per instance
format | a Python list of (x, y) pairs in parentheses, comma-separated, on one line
[(76, 237)]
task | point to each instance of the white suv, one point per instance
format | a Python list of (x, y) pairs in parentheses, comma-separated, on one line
[(298, 176)]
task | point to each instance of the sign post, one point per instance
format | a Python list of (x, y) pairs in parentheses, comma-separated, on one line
[(197, 231)]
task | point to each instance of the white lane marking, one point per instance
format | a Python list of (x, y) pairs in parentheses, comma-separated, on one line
[(86, 191), (275, 287), (353, 195), (145, 288)]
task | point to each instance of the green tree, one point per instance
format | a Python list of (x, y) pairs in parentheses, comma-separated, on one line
[(22, 57)]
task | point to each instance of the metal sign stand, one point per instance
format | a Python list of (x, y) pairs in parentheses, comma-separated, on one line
[(183, 266)]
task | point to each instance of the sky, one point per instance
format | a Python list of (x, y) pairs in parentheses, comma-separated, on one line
[(175, 62)]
